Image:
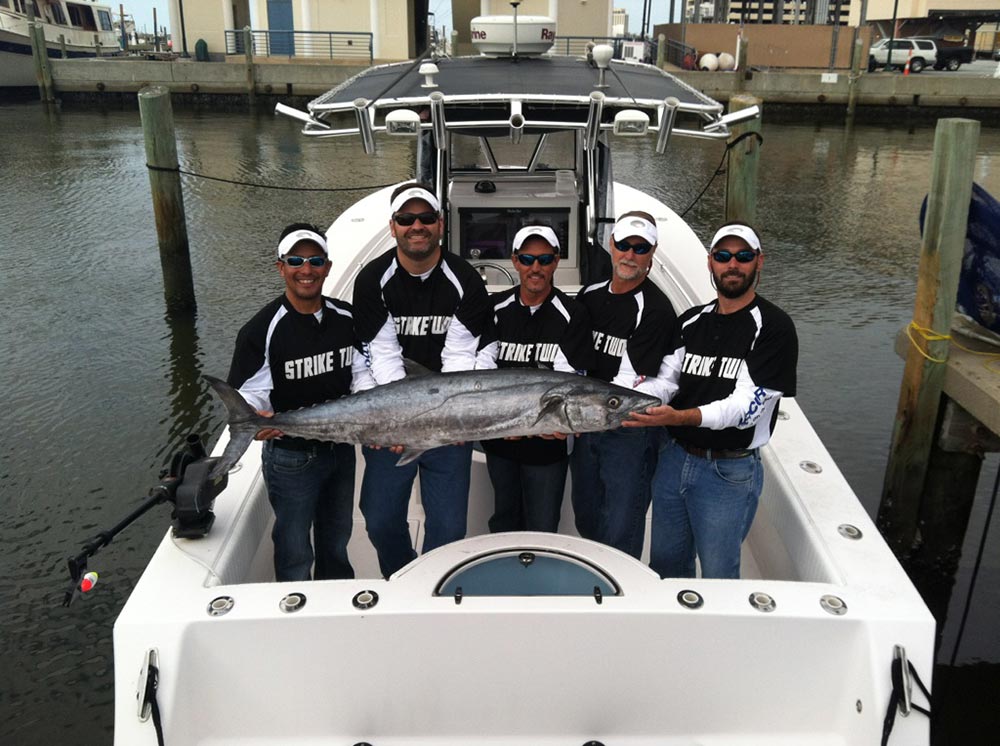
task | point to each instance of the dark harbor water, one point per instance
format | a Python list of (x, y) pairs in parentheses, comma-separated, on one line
[(100, 387)]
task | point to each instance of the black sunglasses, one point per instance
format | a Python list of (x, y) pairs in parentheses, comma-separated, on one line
[(743, 256), (528, 259), (639, 249), (409, 218), (298, 261)]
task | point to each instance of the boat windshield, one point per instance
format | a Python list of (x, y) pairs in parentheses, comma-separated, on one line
[(552, 151)]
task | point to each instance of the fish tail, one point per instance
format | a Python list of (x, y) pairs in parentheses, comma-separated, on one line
[(243, 425)]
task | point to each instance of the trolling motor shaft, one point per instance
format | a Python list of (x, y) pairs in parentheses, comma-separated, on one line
[(185, 484)]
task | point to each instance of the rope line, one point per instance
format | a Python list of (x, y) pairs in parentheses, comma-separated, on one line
[(268, 186), (719, 169), (929, 335)]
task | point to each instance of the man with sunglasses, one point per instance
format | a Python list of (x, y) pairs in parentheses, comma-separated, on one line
[(416, 302), (732, 361), (300, 350), (633, 325), (533, 325)]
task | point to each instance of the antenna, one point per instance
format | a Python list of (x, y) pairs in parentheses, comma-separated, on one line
[(514, 4)]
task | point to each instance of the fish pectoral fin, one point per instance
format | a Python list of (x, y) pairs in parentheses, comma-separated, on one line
[(551, 404), (409, 455)]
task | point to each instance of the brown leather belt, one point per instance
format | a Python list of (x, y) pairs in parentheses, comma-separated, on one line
[(715, 453)]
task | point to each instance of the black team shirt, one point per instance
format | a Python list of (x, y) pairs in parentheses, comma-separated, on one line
[(556, 335), (285, 360), (633, 332), (735, 367), (437, 318)]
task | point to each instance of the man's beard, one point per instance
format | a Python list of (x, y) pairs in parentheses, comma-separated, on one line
[(735, 291)]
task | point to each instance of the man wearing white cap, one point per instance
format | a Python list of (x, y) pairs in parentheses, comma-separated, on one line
[(300, 350), (633, 325), (534, 324), (419, 303), (732, 361)]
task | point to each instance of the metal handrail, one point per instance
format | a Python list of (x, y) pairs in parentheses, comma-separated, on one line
[(304, 44)]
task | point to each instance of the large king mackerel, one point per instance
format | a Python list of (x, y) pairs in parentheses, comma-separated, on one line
[(435, 409)]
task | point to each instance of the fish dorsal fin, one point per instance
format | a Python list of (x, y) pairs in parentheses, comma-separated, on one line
[(414, 369), (408, 456)]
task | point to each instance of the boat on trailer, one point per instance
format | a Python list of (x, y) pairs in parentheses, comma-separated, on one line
[(528, 638)]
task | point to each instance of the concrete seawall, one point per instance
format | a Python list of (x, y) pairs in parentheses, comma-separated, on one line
[(932, 92)]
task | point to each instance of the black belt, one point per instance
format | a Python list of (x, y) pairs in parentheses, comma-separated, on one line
[(716, 453)]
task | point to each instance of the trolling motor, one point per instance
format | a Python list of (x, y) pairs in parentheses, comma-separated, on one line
[(185, 484)]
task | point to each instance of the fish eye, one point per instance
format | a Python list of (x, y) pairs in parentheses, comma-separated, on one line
[(614, 402)]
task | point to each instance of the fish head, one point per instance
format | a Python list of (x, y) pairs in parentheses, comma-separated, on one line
[(593, 405)]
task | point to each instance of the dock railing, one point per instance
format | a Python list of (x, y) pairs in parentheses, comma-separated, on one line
[(316, 45)]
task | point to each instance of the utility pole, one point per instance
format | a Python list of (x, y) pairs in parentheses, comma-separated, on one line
[(184, 41)]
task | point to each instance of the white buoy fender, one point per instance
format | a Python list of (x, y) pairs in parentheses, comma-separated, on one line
[(708, 63)]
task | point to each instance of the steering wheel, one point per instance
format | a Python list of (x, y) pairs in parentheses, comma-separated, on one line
[(482, 266)]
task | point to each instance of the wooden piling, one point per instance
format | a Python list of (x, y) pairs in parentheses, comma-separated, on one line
[(46, 67), (852, 81), (741, 175), (168, 199), (251, 72), (36, 58), (661, 50), (62, 46), (955, 143), (741, 62)]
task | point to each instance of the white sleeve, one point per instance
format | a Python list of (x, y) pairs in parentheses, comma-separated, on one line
[(383, 359), (486, 358), (256, 390), (663, 385), (460, 347), (743, 408)]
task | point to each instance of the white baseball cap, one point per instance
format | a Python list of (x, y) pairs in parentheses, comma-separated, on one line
[(288, 242), (633, 225), (416, 192), (739, 231), (542, 231)]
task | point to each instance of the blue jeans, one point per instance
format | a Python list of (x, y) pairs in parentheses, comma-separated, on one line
[(527, 497), (385, 496), (611, 486), (310, 489), (702, 507)]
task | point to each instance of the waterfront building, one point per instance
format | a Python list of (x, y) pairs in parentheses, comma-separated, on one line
[(398, 29), (619, 22)]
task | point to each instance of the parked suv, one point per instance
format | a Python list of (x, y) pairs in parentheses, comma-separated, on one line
[(919, 52)]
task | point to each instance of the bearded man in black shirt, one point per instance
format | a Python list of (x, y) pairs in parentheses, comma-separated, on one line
[(732, 361)]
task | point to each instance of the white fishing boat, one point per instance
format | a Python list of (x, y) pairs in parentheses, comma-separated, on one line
[(526, 638), (82, 25)]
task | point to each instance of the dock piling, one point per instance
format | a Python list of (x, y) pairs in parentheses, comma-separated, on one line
[(168, 200), (920, 393), (852, 80), (251, 72), (741, 175)]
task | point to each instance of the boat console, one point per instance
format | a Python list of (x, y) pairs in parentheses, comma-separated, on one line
[(485, 212)]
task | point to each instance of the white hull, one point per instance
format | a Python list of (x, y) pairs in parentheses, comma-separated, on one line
[(637, 668), (16, 65)]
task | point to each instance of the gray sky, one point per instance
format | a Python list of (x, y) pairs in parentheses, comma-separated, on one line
[(142, 10)]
